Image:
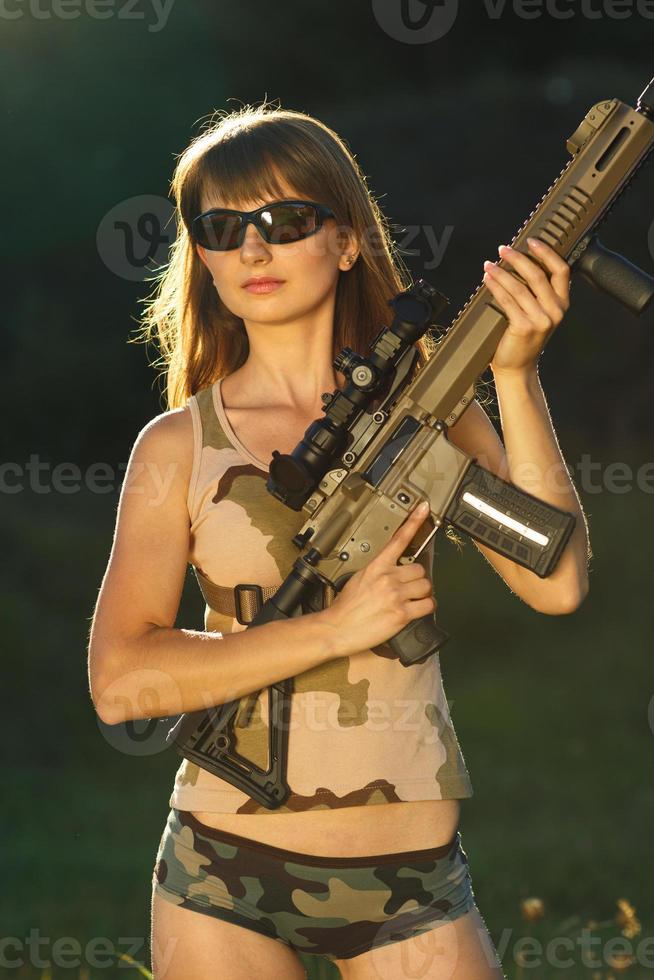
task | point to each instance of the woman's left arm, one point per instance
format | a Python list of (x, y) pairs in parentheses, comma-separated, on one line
[(530, 457)]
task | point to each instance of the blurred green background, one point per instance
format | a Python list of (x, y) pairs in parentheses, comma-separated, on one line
[(459, 137)]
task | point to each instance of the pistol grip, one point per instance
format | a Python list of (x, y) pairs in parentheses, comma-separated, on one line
[(418, 640)]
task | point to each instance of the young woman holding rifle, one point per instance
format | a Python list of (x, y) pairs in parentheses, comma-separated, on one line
[(282, 258)]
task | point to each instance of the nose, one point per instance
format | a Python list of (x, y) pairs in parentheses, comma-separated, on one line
[(254, 244)]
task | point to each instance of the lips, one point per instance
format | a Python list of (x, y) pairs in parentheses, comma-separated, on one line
[(263, 285), (261, 281)]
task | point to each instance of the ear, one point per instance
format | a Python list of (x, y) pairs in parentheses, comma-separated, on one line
[(202, 252), (350, 251)]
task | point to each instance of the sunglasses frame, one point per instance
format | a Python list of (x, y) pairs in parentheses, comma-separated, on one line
[(254, 217)]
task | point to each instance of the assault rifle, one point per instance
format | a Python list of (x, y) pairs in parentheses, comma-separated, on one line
[(382, 446)]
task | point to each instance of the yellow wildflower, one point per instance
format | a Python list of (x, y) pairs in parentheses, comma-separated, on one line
[(626, 918), (532, 909)]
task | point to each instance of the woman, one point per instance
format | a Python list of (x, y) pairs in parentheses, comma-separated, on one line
[(250, 312)]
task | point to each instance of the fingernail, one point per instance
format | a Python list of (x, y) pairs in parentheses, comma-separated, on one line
[(488, 264), (424, 506), (534, 242)]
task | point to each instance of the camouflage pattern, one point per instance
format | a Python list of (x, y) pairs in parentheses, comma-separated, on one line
[(334, 907), (364, 729)]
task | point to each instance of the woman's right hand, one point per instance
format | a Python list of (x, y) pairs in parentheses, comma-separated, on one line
[(380, 599)]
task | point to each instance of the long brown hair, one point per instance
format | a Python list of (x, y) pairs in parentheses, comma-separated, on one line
[(238, 156)]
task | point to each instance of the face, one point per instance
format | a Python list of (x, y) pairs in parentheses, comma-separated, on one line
[(308, 270)]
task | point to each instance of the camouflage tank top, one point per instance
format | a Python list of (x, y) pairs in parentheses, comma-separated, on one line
[(364, 729)]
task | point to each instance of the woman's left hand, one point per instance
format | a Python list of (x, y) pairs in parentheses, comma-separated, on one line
[(535, 310)]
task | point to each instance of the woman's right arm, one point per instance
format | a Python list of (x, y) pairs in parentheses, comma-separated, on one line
[(140, 666)]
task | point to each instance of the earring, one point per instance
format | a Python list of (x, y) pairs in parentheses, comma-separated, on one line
[(350, 259)]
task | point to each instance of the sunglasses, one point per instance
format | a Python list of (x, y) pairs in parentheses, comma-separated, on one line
[(222, 229)]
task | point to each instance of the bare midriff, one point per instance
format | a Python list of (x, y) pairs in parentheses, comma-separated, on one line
[(352, 831)]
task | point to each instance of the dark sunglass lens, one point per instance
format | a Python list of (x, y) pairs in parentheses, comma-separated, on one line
[(219, 232), (285, 223)]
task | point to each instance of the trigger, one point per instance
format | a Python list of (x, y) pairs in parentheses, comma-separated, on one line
[(424, 544)]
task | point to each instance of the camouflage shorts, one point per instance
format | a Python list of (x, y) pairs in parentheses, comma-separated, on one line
[(329, 906)]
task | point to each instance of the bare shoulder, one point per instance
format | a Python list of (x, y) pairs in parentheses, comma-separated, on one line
[(163, 449), (174, 426)]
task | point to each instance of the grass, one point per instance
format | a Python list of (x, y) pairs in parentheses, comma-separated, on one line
[(551, 713)]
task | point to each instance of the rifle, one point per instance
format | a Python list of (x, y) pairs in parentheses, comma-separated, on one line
[(382, 446)]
